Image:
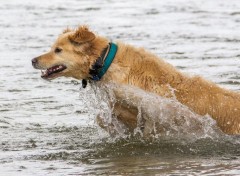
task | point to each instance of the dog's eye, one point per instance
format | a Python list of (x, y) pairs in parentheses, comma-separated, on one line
[(57, 50)]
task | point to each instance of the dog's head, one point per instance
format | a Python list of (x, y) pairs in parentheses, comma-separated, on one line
[(72, 55)]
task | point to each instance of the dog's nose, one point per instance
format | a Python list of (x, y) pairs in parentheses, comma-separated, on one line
[(34, 61)]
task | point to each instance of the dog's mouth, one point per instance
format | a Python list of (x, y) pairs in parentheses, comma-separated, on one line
[(52, 72)]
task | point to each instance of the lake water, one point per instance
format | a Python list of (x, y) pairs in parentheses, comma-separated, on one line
[(48, 128)]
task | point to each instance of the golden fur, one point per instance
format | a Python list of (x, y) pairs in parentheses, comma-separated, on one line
[(138, 67)]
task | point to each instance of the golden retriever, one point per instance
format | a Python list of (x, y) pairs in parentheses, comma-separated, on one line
[(76, 52)]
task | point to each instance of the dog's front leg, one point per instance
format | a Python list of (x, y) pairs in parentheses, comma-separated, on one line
[(127, 108), (114, 127)]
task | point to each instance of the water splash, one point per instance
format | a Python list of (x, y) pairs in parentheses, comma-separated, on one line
[(157, 117)]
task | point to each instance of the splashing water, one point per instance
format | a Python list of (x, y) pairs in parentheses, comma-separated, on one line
[(157, 116)]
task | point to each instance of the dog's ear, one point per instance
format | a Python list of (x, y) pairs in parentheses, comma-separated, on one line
[(82, 35)]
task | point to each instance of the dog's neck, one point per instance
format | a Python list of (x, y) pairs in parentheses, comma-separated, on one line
[(100, 67)]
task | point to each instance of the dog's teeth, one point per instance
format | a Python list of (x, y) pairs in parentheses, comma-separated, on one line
[(52, 70)]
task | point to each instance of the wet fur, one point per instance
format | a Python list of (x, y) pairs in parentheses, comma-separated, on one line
[(140, 68)]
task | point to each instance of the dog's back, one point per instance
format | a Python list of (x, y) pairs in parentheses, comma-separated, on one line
[(152, 74)]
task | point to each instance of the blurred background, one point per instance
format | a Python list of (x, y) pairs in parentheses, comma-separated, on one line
[(48, 128)]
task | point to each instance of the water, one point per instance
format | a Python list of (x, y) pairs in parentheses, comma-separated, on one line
[(48, 128)]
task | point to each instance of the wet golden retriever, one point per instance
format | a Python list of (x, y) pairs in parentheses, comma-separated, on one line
[(76, 52)]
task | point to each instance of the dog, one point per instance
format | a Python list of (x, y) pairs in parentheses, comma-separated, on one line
[(83, 55)]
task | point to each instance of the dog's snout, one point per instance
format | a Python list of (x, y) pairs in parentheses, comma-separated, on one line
[(34, 60)]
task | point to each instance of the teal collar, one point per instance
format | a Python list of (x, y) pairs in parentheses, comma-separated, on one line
[(110, 56), (100, 67)]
